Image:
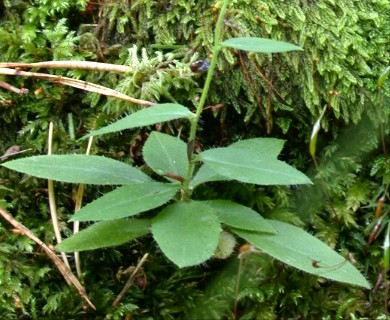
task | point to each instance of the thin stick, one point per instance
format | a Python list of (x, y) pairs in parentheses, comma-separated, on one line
[(72, 135), (130, 281), (253, 89), (84, 65), (52, 199), (11, 88), (64, 269), (376, 229), (268, 110), (79, 200), (12, 152), (266, 81), (79, 84)]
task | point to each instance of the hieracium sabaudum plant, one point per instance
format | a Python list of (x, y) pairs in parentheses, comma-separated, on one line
[(189, 231)]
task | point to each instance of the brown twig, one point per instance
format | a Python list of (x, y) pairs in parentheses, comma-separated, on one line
[(13, 89), (248, 78), (65, 271), (79, 84), (12, 151), (79, 200), (84, 65), (52, 198), (269, 107), (266, 80), (130, 281)]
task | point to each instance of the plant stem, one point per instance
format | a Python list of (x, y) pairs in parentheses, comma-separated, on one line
[(52, 200), (194, 122), (71, 127), (130, 281), (217, 48), (79, 200)]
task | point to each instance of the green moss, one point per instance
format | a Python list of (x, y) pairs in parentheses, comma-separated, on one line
[(345, 49)]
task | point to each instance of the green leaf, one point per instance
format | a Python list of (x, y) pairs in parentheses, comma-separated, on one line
[(252, 166), (127, 201), (382, 78), (301, 250), (270, 147), (206, 174), (259, 148), (78, 169), (386, 248), (187, 232), (260, 45), (166, 154), (105, 234), (155, 114), (238, 216), (314, 133)]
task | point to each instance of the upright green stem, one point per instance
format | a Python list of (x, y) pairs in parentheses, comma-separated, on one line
[(194, 122), (217, 48)]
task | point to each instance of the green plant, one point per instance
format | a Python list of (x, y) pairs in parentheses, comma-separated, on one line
[(378, 225), (359, 190), (188, 231)]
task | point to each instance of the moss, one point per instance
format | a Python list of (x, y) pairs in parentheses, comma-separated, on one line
[(346, 48)]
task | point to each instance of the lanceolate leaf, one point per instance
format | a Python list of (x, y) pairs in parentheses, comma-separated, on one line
[(187, 232), (166, 154), (251, 167), (127, 201), (314, 133), (301, 250), (145, 117), (105, 234), (239, 216), (260, 45), (78, 169), (386, 248)]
